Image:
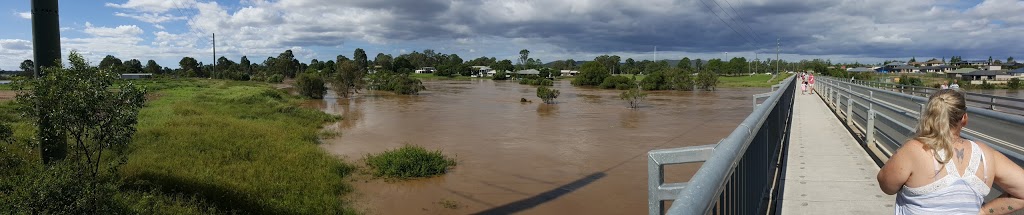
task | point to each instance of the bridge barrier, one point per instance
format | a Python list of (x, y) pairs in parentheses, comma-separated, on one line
[(740, 174), (880, 128), (991, 102)]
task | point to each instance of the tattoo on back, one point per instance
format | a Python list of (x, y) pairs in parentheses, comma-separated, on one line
[(960, 153), (990, 210)]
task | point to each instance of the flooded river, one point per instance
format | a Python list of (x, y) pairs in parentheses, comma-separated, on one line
[(584, 155)]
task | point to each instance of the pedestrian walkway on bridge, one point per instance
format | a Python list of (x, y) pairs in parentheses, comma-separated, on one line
[(828, 172)]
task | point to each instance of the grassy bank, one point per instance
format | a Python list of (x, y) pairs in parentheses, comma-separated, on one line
[(758, 80), (212, 146), (239, 146)]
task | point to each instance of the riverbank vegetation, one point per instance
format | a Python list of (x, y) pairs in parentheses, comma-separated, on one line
[(199, 147), (408, 162)]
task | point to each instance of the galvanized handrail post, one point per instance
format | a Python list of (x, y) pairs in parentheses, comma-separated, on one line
[(992, 103), (869, 134), (849, 111)]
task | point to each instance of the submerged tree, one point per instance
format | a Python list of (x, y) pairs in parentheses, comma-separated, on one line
[(546, 94), (349, 79), (634, 96)]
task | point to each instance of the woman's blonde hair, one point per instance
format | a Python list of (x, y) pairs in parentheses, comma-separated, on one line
[(945, 110)]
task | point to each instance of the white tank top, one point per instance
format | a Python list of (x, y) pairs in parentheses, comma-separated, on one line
[(952, 194)]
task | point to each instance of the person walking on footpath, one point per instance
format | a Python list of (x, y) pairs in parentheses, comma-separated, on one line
[(810, 82), (939, 172)]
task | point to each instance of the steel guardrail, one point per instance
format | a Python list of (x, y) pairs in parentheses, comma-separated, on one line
[(740, 174)]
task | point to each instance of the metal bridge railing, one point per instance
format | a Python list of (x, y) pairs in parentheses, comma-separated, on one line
[(882, 129), (990, 102), (739, 173)]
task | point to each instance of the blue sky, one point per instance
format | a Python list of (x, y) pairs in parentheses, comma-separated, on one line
[(841, 30)]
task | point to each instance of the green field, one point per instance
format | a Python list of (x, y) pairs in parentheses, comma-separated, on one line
[(228, 146), (758, 80)]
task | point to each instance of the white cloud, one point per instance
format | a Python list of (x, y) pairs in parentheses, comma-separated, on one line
[(153, 18), (157, 6), (24, 15), (13, 52), (116, 32)]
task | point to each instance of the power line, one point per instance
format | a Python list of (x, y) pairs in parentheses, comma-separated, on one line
[(758, 37), (724, 22), (733, 17)]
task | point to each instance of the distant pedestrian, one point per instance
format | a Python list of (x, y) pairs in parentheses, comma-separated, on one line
[(954, 85), (810, 82), (944, 85)]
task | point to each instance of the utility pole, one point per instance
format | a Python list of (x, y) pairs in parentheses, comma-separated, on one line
[(778, 46), (46, 48), (214, 55)]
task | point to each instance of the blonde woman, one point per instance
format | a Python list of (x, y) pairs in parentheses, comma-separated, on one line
[(938, 172)]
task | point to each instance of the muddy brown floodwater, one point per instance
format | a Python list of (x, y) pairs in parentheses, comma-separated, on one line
[(584, 155)]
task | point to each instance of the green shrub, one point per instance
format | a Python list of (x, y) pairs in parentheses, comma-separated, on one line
[(907, 80), (500, 75), (619, 82), (536, 81), (591, 74), (706, 80), (1014, 83), (311, 85), (409, 162), (400, 83), (546, 94), (276, 78)]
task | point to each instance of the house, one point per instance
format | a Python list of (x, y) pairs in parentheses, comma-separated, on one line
[(959, 72), (991, 76), (994, 67), (570, 72), (1016, 73), (936, 69), (426, 70), (905, 69), (481, 71), (137, 76), (860, 69)]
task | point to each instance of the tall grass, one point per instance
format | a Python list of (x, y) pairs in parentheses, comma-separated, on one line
[(241, 147), (758, 80), (408, 162)]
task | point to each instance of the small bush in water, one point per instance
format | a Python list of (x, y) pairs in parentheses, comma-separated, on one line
[(409, 162)]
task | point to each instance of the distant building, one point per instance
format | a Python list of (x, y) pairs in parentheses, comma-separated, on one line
[(137, 76), (569, 72), (528, 72), (905, 69), (991, 76), (959, 72), (481, 71), (426, 70)]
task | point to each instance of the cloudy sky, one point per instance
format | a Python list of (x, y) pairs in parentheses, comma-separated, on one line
[(840, 30)]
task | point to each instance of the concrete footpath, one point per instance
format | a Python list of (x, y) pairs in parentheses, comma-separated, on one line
[(828, 171)]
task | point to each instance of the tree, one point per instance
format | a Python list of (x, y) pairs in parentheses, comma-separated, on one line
[(402, 65), (912, 59), (132, 66), (591, 74), (503, 65), (245, 65), (110, 63), (28, 68), (152, 67), (631, 66), (359, 56), (989, 59), (74, 107), (189, 67), (706, 80), (684, 64), (1013, 84), (524, 55), (383, 61), (285, 64), (1010, 60), (611, 63), (634, 95), (546, 94), (349, 79), (311, 85)]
